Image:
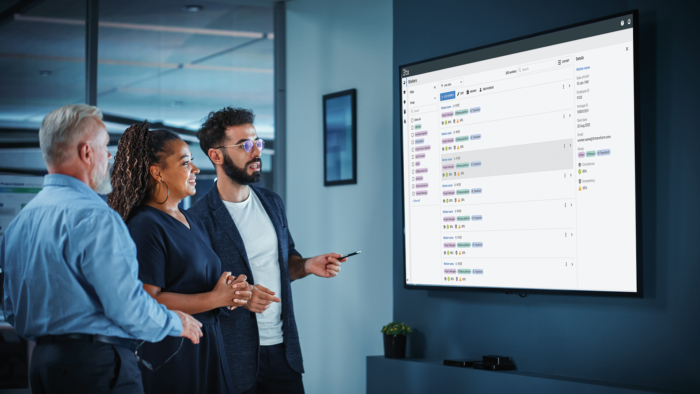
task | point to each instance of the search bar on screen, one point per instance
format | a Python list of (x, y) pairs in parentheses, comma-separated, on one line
[(539, 66)]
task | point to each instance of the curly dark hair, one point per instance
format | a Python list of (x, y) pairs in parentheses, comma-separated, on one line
[(213, 130), (138, 149)]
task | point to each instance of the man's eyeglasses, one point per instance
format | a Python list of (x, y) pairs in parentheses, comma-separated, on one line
[(248, 145)]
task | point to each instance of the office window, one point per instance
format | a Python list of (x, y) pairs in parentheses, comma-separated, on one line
[(157, 61), (161, 62), (42, 58)]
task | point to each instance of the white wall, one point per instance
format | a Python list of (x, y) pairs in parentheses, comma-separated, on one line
[(333, 46)]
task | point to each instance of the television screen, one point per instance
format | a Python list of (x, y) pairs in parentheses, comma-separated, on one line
[(520, 163)]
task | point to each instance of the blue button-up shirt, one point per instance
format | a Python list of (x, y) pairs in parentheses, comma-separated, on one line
[(70, 267)]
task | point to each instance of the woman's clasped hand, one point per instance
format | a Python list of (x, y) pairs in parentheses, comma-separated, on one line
[(231, 291)]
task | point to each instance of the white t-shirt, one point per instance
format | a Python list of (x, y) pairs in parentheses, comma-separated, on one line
[(260, 240)]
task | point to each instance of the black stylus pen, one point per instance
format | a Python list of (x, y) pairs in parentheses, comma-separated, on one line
[(351, 254)]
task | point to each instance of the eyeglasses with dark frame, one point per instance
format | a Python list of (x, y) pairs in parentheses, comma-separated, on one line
[(247, 145), (147, 364)]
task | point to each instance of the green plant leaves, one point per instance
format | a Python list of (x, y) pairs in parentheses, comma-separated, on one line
[(395, 328)]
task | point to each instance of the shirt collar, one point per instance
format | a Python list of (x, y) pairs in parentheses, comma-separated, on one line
[(68, 181)]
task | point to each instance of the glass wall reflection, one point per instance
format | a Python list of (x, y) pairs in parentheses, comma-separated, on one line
[(161, 62), (157, 61)]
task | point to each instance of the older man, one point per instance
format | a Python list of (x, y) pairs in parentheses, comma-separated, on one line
[(71, 271)]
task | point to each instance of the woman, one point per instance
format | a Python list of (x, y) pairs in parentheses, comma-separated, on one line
[(153, 172)]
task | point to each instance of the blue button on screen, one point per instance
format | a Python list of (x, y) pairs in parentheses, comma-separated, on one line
[(447, 96)]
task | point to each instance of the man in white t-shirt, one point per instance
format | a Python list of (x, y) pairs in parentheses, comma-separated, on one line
[(248, 229)]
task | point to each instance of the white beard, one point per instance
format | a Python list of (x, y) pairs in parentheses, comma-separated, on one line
[(102, 183)]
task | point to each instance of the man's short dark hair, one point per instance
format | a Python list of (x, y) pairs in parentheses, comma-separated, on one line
[(213, 131)]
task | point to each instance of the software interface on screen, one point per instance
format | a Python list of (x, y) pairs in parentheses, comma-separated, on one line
[(519, 163)]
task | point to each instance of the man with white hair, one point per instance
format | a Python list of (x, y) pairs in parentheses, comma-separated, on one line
[(71, 271)]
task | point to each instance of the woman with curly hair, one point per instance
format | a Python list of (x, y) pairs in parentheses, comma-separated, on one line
[(153, 172)]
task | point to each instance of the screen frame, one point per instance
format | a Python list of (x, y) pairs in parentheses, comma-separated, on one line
[(638, 176), (353, 103)]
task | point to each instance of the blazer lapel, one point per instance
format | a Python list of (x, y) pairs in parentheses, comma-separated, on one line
[(223, 217)]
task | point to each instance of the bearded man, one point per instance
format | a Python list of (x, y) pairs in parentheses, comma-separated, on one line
[(248, 230)]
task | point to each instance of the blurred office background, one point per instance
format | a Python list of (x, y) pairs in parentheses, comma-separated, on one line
[(165, 62)]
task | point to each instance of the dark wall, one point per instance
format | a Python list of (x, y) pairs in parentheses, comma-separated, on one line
[(652, 341)]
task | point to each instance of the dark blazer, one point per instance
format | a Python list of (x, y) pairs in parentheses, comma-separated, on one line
[(240, 327)]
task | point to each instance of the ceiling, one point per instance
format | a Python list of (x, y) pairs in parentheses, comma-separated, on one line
[(156, 61)]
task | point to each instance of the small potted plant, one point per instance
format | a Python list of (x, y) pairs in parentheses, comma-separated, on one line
[(395, 339)]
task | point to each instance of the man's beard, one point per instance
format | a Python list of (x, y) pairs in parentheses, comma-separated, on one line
[(102, 183), (240, 175)]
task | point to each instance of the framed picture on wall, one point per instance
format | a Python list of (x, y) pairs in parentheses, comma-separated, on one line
[(340, 138)]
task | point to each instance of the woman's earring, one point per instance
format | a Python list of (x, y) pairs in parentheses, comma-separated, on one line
[(153, 197)]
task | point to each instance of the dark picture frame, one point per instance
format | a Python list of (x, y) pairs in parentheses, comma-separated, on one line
[(340, 138)]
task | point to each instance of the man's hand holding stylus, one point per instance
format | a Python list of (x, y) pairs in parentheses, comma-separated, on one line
[(325, 265)]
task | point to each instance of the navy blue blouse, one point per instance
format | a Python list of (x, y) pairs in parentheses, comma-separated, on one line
[(180, 260), (171, 256)]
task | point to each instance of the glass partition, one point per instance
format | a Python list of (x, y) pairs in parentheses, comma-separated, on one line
[(173, 65)]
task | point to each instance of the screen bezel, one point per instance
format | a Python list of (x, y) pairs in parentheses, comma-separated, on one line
[(638, 176)]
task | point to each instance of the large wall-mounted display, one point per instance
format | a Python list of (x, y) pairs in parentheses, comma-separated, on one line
[(520, 163)]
